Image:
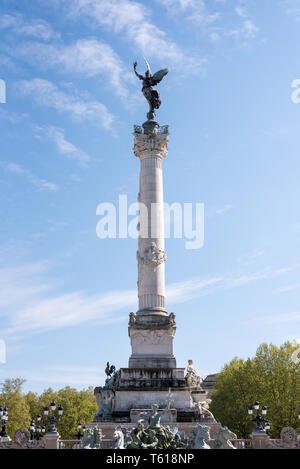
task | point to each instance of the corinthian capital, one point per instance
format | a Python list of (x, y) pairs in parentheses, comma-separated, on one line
[(151, 145)]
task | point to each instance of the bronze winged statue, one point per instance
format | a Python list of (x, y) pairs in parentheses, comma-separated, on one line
[(150, 94)]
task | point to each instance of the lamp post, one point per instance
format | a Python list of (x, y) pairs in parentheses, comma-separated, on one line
[(32, 429), (262, 425), (79, 426), (53, 419), (35, 432), (3, 418)]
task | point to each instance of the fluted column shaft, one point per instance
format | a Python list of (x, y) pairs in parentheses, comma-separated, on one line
[(151, 256)]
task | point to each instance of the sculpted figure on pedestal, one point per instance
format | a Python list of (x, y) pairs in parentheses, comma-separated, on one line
[(192, 378), (203, 408), (138, 436), (119, 440), (132, 319), (222, 439), (199, 437), (105, 395), (150, 94), (92, 438)]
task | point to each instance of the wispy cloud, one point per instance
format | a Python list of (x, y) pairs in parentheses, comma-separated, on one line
[(65, 375), (287, 288), (64, 147), (39, 183), (292, 9), (27, 27), (47, 94), (248, 30), (195, 10), (279, 318), (214, 20), (133, 20), (250, 256), (89, 57), (224, 209), (212, 211), (29, 302)]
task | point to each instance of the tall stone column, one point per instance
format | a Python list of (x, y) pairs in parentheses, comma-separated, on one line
[(151, 330)]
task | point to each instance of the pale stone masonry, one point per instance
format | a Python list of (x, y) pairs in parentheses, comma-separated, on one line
[(151, 330)]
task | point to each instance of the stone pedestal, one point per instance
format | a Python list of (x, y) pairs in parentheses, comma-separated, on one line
[(260, 440), (139, 388), (51, 440)]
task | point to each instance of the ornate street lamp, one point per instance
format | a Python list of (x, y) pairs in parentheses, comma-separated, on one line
[(79, 426), (262, 425), (39, 429), (3, 418), (53, 419), (32, 429)]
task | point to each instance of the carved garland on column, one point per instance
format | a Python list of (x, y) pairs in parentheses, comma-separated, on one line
[(152, 256)]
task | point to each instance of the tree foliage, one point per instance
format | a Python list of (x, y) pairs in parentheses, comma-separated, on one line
[(78, 406), (272, 377), (18, 409)]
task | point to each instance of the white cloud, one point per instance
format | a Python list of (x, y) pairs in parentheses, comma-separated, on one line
[(248, 30), (90, 57), (241, 11), (195, 10), (177, 6), (29, 302), (292, 9), (65, 147), (224, 209), (34, 27), (49, 95), (287, 288), (250, 256), (279, 318), (41, 184), (65, 375), (134, 21), (206, 14)]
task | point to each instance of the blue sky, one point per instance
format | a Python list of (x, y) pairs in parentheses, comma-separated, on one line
[(66, 146)]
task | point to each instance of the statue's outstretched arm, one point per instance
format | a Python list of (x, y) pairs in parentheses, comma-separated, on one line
[(137, 74)]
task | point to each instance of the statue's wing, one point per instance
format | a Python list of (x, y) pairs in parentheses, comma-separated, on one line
[(158, 76)]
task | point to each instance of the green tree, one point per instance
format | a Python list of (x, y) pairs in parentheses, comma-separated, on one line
[(272, 377), (78, 407), (18, 409)]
